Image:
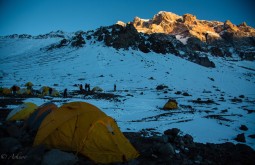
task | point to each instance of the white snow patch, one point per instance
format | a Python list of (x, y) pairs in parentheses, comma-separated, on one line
[(182, 39)]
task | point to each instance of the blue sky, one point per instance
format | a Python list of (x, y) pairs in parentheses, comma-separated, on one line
[(42, 16)]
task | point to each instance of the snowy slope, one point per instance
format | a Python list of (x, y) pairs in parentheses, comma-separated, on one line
[(24, 60)]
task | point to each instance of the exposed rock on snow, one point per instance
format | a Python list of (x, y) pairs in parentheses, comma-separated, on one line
[(240, 138), (243, 127)]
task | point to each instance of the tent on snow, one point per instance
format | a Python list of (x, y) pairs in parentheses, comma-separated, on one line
[(83, 128), (29, 85), (97, 89), (22, 112), (36, 118), (170, 105), (6, 91), (55, 93), (24, 91), (44, 90)]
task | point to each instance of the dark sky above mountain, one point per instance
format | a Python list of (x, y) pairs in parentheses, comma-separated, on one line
[(42, 16)]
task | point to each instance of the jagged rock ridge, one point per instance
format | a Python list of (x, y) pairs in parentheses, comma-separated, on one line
[(189, 26), (167, 33)]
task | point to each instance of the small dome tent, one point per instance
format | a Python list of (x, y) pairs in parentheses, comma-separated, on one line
[(29, 84), (97, 89), (6, 91), (44, 90), (83, 128), (171, 105), (25, 91), (22, 112)]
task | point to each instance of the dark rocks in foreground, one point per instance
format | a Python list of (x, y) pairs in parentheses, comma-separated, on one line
[(170, 148), (173, 148)]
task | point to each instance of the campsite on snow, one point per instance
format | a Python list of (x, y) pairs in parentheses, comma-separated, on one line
[(169, 95)]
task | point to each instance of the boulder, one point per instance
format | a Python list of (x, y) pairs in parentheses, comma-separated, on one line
[(204, 61), (188, 140), (163, 149), (57, 157), (9, 145), (243, 127), (14, 131), (240, 138), (161, 87), (173, 132), (160, 139)]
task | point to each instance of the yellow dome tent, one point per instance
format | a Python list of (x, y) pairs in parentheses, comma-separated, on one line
[(22, 112), (6, 91), (29, 84), (83, 128), (97, 89), (170, 105), (55, 93), (44, 90), (24, 91), (35, 119)]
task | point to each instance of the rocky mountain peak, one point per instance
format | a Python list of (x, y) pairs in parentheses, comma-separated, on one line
[(166, 17), (121, 23), (244, 24), (189, 19), (228, 25), (189, 26), (184, 36)]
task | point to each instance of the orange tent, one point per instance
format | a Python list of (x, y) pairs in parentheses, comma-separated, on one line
[(36, 118), (83, 128)]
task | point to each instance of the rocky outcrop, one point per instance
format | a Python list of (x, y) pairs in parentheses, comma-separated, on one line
[(127, 36), (216, 37), (188, 25), (175, 148), (201, 60), (78, 40), (53, 34)]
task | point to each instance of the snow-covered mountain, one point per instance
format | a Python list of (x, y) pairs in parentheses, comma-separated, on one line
[(214, 101)]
